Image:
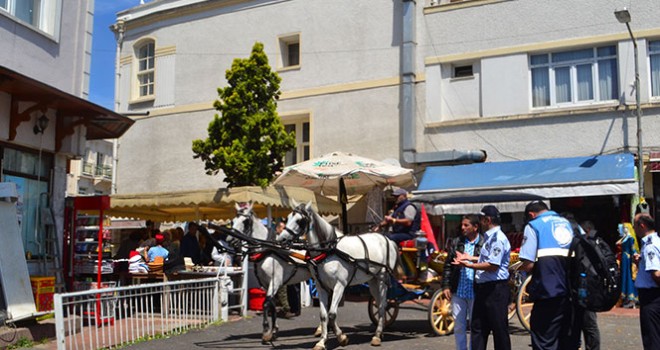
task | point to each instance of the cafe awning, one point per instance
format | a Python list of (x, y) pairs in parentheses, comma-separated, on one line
[(520, 181), (100, 122), (215, 204)]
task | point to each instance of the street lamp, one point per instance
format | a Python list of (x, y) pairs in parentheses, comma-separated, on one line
[(41, 125), (623, 16)]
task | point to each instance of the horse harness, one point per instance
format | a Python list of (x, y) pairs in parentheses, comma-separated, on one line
[(257, 252), (330, 247)]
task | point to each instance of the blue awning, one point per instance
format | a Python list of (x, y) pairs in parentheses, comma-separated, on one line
[(529, 179)]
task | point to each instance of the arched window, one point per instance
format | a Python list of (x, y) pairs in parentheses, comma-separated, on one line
[(146, 57)]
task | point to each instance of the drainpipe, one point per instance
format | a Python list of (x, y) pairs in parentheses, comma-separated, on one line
[(118, 28), (408, 128)]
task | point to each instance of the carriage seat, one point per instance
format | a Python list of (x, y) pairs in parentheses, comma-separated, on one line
[(416, 244), (408, 246)]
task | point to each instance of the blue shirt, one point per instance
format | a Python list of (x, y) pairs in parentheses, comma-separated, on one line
[(649, 261), (496, 251), (556, 242), (547, 242), (465, 287), (157, 251)]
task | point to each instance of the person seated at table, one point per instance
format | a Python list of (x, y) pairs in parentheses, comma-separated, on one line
[(136, 261), (157, 250), (190, 245), (205, 246)]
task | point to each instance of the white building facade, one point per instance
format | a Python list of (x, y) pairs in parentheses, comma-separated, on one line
[(420, 81), (91, 175)]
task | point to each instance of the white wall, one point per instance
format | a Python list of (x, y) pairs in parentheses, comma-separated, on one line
[(505, 85), (35, 54), (347, 79)]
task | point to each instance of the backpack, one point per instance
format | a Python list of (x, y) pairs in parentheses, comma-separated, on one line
[(594, 275)]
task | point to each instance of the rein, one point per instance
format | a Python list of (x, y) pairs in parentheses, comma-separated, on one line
[(259, 249), (329, 247)]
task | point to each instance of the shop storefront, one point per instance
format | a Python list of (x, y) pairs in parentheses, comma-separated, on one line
[(599, 189), (41, 129)]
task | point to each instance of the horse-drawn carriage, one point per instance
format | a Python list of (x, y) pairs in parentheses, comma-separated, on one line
[(337, 261), (428, 290)]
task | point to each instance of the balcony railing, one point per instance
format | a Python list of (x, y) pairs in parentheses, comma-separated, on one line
[(92, 169)]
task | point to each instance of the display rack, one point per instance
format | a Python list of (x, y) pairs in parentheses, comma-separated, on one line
[(88, 242), (88, 255)]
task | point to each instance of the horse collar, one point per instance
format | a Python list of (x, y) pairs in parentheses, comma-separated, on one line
[(256, 257)]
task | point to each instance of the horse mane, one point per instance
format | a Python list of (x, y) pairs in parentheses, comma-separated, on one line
[(323, 229), (259, 230)]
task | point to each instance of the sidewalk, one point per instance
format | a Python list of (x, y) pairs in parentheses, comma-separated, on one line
[(619, 311), (37, 331)]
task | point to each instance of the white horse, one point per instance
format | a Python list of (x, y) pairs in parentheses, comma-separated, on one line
[(274, 267), (340, 261)]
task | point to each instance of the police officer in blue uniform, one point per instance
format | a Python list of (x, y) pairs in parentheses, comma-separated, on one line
[(648, 280), (491, 289), (544, 251)]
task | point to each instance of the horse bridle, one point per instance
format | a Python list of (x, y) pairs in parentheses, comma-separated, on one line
[(247, 225), (304, 223)]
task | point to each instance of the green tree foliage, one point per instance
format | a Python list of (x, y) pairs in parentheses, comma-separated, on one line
[(247, 141)]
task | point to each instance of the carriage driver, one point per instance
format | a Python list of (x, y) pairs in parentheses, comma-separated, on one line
[(404, 220)]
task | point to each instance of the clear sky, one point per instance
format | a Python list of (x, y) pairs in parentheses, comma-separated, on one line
[(102, 80)]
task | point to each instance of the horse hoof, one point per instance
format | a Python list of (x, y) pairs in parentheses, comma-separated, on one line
[(267, 338), (375, 341), (343, 340), (318, 332), (318, 347)]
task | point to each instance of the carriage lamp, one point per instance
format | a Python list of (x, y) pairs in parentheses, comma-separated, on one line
[(41, 125)]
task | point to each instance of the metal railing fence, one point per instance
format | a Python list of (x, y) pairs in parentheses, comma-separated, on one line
[(115, 316)]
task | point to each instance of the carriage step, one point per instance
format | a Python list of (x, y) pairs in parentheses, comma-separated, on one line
[(410, 286)]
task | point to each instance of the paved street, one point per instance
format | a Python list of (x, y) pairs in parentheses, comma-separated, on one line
[(619, 330)]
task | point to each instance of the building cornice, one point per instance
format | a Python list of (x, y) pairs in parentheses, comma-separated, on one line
[(154, 14), (560, 112), (458, 5), (540, 47), (295, 94)]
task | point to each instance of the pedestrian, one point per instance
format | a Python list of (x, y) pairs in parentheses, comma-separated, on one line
[(491, 289), (458, 281), (648, 280), (590, 330), (544, 252)]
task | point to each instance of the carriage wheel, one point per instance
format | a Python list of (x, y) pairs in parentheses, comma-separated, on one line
[(440, 316), (523, 305), (512, 310), (391, 311)]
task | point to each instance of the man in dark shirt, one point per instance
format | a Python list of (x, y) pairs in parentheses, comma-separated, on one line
[(190, 245)]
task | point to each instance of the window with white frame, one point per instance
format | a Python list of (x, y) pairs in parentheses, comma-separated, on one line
[(302, 151), (654, 56), (290, 50), (41, 14), (574, 77), (146, 58)]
